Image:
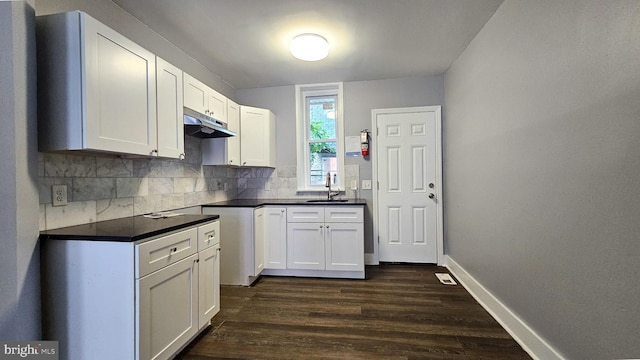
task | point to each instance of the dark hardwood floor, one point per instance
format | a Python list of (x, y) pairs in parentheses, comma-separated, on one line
[(398, 312)]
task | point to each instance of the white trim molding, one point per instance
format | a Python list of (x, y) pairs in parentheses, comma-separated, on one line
[(531, 342)]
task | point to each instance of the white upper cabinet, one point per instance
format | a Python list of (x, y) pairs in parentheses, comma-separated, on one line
[(170, 116), (233, 142), (195, 94), (224, 151), (203, 99), (258, 142), (96, 88)]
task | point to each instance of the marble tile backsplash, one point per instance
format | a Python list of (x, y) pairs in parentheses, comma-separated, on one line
[(103, 187), (281, 183)]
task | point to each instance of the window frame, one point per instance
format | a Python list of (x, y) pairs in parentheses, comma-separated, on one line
[(303, 138)]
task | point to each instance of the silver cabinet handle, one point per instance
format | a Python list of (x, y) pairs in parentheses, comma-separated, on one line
[(431, 195)]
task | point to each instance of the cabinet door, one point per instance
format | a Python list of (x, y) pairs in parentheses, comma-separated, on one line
[(170, 121), (209, 285), (217, 105), (120, 81), (275, 238), (344, 246), (195, 94), (233, 142), (258, 262), (255, 145), (305, 246), (167, 309)]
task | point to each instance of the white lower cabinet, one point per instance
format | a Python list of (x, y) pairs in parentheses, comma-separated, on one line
[(305, 246), (343, 246), (168, 308), (238, 265), (208, 272), (209, 285), (275, 237), (126, 300), (329, 238), (259, 236)]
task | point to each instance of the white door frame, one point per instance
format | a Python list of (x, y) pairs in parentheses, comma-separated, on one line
[(374, 259)]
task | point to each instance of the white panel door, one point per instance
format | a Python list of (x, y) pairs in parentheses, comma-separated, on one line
[(305, 246), (121, 92), (167, 309), (170, 120), (406, 173)]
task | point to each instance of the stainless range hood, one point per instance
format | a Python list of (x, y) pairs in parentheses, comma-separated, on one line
[(204, 127)]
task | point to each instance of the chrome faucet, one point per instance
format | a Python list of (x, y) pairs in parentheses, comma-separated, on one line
[(327, 183)]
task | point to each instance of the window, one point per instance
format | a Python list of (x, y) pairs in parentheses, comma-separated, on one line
[(320, 136)]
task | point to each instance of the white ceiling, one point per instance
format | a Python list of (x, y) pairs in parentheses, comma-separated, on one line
[(246, 41)]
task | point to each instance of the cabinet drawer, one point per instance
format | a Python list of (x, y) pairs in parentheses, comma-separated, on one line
[(343, 214), (305, 214), (156, 254), (208, 235)]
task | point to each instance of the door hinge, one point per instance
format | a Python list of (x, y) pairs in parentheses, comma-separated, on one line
[(378, 185)]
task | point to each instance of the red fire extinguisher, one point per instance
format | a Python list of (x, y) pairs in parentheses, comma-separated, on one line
[(364, 142)]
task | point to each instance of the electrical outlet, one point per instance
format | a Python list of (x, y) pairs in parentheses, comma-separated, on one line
[(366, 184), (59, 195)]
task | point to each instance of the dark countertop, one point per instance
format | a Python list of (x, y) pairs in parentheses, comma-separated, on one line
[(262, 202), (125, 229)]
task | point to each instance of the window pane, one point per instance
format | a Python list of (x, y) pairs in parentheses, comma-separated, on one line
[(322, 117), (322, 159)]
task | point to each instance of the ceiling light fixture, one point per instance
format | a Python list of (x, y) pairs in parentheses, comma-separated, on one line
[(309, 47)]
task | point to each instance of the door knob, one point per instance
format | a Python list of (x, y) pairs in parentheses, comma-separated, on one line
[(431, 195)]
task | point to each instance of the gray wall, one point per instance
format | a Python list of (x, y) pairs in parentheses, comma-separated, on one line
[(542, 161), (360, 97), (19, 251), (116, 18)]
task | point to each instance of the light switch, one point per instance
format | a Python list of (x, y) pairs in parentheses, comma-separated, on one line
[(366, 184)]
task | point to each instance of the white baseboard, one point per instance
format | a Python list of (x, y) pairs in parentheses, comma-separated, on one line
[(371, 259), (530, 341)]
